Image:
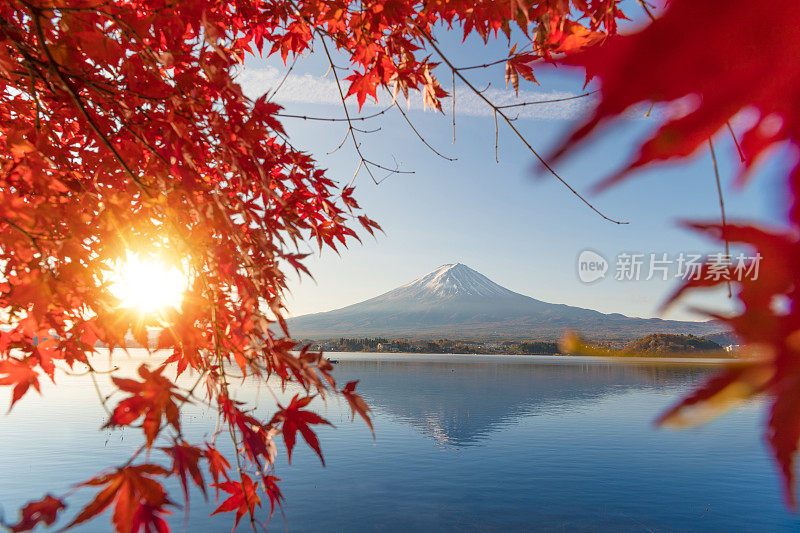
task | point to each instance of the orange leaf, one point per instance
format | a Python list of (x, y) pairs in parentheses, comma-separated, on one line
[(21, 375)]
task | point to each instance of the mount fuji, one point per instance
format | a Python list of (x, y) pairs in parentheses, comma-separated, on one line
[(455, 301)]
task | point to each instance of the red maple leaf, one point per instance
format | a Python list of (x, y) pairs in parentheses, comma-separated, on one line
[(256, 438), (218, 466), (243, 498), (721, 65), (774, 370), (357, 403), (362, 85), (148, 519), (137, 497), (273, 492), (154, 397), (185, 459), (741, 60), (519, 65), (295, 419), (42, 511), (566, 36), (783, 431)]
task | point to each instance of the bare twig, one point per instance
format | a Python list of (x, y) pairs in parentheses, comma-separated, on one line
[(103, 399), (496, 137), (339, 146), (334, 119), (484, 65), (721, 207), (552, 101), (283, 80), (497, 62), (454, 106), (420, 136), (361, 130), (510, 123), (365, 162), (647, 9)]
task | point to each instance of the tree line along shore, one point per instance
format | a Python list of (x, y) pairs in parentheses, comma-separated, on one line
[(653, 345), (657, 344)]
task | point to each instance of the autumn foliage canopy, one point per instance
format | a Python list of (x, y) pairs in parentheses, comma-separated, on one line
[(122, 127)]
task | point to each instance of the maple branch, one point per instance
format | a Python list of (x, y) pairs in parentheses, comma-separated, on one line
[(420, 136), (124, 26), (496, 137), (30, 63), (454, 106), (647, 9), (365, 163), (190, 391), (552, 101), (484, 65), (481, 91), (79, 103), (510, 123), (333, 119), (339, 146), (360, 130), (133, 457), (493, 63), (35, 96), (88, 371), (27, 234), (721, 206), (283, 80), (42, 259), (103, 399), (231, 432)]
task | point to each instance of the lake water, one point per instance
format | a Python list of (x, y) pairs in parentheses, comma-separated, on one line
[(463, 443)]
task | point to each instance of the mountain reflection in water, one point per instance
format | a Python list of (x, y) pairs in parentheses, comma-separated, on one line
[(459, 401)]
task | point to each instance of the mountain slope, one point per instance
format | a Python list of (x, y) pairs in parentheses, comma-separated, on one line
[(456, 301)]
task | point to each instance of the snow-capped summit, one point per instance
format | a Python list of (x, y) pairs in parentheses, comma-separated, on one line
[(449, 281), (456, 301)]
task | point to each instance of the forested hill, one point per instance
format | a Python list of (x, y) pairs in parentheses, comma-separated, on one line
[(666, 343)]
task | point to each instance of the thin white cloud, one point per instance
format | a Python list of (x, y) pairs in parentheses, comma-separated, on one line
[(308, 89)]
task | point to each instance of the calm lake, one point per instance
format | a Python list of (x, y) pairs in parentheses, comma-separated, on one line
[(463, 443)]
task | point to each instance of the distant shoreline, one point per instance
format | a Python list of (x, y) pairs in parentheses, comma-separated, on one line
[(337, 357), (699, 355), (523, 358), (654, 346)]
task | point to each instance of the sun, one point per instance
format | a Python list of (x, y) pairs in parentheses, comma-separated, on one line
[(147, 284)]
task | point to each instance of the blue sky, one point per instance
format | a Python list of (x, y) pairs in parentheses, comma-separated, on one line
[(521, 230)]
